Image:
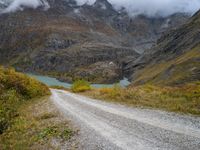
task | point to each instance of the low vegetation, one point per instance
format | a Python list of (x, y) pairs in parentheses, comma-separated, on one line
[(60, 88), (55, 131), (16, 89), (81, 86), (180, 70), (38, 125), (28, 120), (182, 99)]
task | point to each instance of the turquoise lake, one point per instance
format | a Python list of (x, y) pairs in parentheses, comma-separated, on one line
[(54, 82)]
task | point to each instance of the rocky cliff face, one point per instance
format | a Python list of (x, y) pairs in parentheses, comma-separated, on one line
[(67, 39), (174, 60)]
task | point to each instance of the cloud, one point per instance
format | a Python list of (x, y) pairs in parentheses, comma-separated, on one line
[(16, 5), (153, 8), (150, 8), (81, 2)]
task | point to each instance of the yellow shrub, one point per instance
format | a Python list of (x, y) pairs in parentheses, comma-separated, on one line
[(80, 86)]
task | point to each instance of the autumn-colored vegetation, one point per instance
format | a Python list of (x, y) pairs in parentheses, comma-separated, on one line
[(15, 89), (180, 70), (80, 86), (182, 99)]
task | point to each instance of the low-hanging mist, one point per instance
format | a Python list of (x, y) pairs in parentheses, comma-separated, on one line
[(151, 8), (15, 5)]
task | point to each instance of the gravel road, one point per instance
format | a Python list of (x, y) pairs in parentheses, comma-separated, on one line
[(105, 126)]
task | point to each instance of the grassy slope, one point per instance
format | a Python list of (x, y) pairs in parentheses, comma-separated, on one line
[(169, 85), (180, 70), (28, 120), (15, 89), (184, 99)]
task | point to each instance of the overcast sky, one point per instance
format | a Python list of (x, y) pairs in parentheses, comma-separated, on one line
[(153, 7), (134, 7), (17, 4)]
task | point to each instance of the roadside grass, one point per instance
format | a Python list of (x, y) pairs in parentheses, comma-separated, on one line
[(34, 128), (60, 88), (27, 119), (183, 99), (54, 131), (80, 86)]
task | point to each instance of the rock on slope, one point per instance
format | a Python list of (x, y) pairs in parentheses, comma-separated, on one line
[(175, 59), (68, 37)]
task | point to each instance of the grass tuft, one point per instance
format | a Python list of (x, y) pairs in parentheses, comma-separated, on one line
[(48, 132)]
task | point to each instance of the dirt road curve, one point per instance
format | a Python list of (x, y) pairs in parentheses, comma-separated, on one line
[(112, 127)]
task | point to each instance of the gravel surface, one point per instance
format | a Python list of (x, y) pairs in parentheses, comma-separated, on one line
[(111, 127)]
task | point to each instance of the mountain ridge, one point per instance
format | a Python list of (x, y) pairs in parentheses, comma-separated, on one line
[(67, 38), (174, 60)]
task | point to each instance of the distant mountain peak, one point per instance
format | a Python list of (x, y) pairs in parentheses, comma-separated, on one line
[(103, 4)]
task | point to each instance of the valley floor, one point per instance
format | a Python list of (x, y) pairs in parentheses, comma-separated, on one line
[(109, 126)]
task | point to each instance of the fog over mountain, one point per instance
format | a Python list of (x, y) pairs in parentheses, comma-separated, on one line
[(88, 40), (153, 7), (15, 5), (150, 8)]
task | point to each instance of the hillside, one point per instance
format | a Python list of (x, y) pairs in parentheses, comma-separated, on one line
[(165, 77), (16, 89), (174, 60), (67, 40)]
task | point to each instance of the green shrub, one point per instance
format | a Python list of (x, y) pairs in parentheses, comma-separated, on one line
[(66, 134), (55, 131), (48, 132), (80, 86)]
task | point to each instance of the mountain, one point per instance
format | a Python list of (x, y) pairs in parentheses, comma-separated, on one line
[(174, 60), (67, 41)]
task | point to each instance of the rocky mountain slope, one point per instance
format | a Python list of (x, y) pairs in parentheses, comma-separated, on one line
[(67, 40), (175, 59)]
